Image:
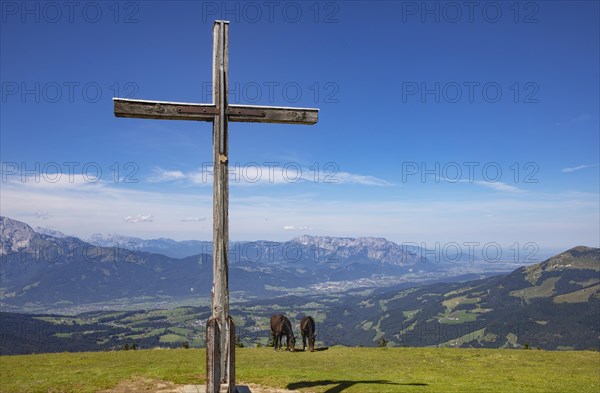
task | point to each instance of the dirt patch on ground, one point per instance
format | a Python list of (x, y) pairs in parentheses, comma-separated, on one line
[(263, 389), (148, 385), (144, 385)]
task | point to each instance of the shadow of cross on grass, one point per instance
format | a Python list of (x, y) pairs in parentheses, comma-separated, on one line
[(341, 385)]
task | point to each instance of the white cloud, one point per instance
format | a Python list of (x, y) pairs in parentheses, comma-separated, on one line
[(193, 219), (352, 178), (85, 210), (577, 168), (160, 175), (498, 186), (139, 218), (582, 118), (293, 228), (254, 174), (41, 214)]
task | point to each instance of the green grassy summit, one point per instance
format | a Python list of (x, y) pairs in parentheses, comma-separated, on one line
[(338, 369)]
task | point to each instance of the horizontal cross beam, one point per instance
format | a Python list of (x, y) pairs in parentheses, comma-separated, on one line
[(144, 109)]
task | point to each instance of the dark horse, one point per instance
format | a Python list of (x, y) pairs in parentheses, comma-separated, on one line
[(281, 326), (307, 329)]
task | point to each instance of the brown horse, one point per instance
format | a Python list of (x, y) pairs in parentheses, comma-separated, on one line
[(281, 326), (308, 331)]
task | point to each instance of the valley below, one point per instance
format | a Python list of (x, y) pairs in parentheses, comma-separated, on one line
[(376, 293)]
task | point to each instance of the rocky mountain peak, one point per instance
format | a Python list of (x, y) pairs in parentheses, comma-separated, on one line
[(375, 248), (14, 235), (370, 242)]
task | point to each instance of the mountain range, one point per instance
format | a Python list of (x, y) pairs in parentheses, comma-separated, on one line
[(45, 270)]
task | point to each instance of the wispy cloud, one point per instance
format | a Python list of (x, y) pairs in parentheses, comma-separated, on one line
[(294, 228), (498, 186), (193, 219), (582, 118), (112, 207), (160, 175), (252, 175), (577, 168), (353, 178), (139, 218), (558, 218), (46, 181), (41, 214)]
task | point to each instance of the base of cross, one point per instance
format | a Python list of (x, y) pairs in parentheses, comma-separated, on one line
[(218, 381), (202, 389)]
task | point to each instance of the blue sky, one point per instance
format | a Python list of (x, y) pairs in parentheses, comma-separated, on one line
[(437, 124)]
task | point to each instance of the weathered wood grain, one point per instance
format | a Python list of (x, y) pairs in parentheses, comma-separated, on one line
[(143, 109), (220, 300), (272, 114), (213, 352)]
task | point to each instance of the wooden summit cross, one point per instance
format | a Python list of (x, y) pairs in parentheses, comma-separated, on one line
[(220, 332)]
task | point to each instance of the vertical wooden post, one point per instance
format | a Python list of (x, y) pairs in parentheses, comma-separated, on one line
[(220, 295), (213, 352)]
